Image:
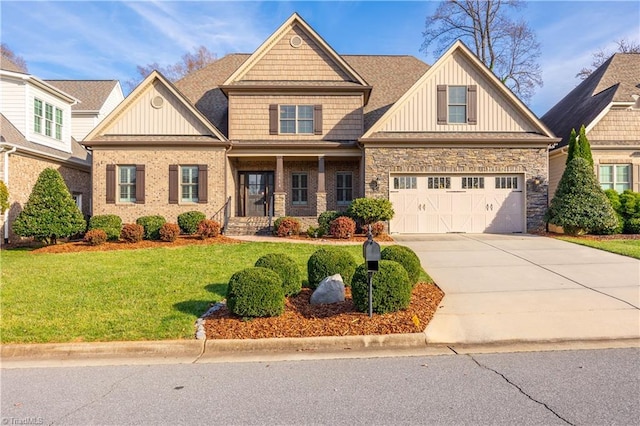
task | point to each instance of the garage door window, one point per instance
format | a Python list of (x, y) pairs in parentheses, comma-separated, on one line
[(472, 182), (507, 182), (439, 182), (405, 182)]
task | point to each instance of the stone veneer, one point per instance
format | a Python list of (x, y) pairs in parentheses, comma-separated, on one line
[(157, 161), (24, 171), (380, 162)]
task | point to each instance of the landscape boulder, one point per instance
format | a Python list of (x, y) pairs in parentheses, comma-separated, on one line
[(330, 290)]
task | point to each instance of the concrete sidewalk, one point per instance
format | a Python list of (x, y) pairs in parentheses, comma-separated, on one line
[(526, 288)]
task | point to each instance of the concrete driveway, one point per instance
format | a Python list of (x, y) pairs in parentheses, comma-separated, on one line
[(502, 288)]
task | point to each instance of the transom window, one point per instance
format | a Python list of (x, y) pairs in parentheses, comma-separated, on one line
[(474, 182), (127, 184), (344, 187), (457, 104), (299, 188), (189, 184), (37, 115), (296, 119), (615, 176), (405, 182), (507, 182), (439, 182)]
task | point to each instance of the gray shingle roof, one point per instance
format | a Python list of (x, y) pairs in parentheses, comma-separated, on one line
[(614, 81), (8, 65), (389, 76), (10, 134), (92, 94)]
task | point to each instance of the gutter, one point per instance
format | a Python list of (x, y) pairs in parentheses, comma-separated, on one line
[(5, 178)]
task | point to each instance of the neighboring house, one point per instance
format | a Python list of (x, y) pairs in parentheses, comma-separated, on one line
[(35, 133), (96, 99), (607, 103), (297, 129)]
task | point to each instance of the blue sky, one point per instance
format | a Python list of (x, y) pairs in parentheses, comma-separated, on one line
[(107, 39)]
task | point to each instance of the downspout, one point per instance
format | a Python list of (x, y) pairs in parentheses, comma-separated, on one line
[(5, 178)]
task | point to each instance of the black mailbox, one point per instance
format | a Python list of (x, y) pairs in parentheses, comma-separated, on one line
[(371, 253)]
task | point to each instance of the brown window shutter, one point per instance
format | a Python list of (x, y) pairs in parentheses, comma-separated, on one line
[(111, 184), (472, 104), (173, 184), (273, 119), (442, 104), (203, 184), (317, 119), (139, 183)]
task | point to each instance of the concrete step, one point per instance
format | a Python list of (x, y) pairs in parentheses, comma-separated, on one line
[(248, 226)]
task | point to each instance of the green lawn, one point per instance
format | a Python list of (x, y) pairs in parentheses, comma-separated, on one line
[(629, 248), (148, 294)]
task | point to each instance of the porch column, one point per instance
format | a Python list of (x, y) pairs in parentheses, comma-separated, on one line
[(280, 194), (321, 195)]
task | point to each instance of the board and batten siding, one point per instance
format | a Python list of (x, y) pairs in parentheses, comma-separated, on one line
[(173, 118), (308, 62), (13, 101), (495, 112), (341, 116)]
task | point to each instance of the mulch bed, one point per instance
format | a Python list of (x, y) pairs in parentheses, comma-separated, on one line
[(301, 319)]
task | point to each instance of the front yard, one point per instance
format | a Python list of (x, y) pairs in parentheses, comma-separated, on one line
[(627, 247)]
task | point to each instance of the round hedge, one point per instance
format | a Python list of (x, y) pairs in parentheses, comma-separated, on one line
[(286, 268), (255, 292), (151, 225), (188, 221), (111, 224), (391, 288), (330, 261), (407, 258)]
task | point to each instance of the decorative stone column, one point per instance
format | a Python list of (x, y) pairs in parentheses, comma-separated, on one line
[(321, 195), (280, 194)]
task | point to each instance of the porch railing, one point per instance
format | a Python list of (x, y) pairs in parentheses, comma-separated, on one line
[(222, 215)]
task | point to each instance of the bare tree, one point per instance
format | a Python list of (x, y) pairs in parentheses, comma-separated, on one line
[(506, 46), (18, 60), (189, 62), (601, 56)]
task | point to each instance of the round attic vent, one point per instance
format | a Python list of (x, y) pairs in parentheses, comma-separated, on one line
[(157, 102), (296, 41)]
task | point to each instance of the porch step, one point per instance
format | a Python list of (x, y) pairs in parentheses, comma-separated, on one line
[(248, 226)]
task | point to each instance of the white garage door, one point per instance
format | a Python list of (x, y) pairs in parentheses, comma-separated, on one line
[(436, 204)]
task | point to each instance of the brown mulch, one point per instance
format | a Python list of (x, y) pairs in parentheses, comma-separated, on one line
[(301, 319)]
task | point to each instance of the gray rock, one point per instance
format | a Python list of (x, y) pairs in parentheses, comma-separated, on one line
[(330, 290)]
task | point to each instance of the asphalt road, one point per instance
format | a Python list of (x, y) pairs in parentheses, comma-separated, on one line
[(593, 387)]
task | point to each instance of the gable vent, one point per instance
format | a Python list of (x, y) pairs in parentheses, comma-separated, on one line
[(296, 41), (157, 102)]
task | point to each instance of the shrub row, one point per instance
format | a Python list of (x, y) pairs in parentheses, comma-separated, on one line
[(627, 208)]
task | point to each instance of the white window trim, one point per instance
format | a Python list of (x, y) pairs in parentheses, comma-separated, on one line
[(614, 175), (132, 185), (296, 120), (184, 200)]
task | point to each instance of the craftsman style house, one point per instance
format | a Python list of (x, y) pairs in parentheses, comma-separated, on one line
[(607, 103), (297, 129), (37, 130)]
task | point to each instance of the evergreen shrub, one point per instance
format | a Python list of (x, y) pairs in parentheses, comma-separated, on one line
[(329, 261), (111, 224), (151, 225), (286, 268), (255, 292), (188, 221), (391, 288), (405, 257)]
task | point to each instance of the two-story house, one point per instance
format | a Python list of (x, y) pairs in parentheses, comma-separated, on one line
[(297, 129)]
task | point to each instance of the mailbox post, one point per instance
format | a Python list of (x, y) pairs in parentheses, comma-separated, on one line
[(371, 253)]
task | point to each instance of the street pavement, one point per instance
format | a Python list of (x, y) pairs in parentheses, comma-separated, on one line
[(527, 288)]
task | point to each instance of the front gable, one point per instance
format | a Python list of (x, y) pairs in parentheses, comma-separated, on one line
[(490, 108), (155, 107)]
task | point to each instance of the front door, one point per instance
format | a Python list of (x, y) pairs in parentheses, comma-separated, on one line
[(256, 190)]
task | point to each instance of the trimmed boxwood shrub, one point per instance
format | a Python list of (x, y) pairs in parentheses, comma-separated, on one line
[(95, 237), (285, 226), (632, 226), (286, 267), (343, 227), (391, 288), (169, 232), (407, 258), (325, 219), (255, 292), (329, 261), (208, 229), (189, 221), (111, 224), (314, 232), (132, 233), (151, 225)]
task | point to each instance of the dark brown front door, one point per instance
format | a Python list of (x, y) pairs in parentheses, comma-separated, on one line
[(256, 193)]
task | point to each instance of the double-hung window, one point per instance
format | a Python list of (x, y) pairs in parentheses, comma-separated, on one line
[(48, 119), (37, 115), (344, 187), (189, 184), (296, 119), (457, 104), (127, 184), (58, 124), (299, 188), (615, 176)]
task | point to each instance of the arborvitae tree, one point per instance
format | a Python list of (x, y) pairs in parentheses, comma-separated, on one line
[(573, 142), (585, 146), (50, 212), (580, 205)]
